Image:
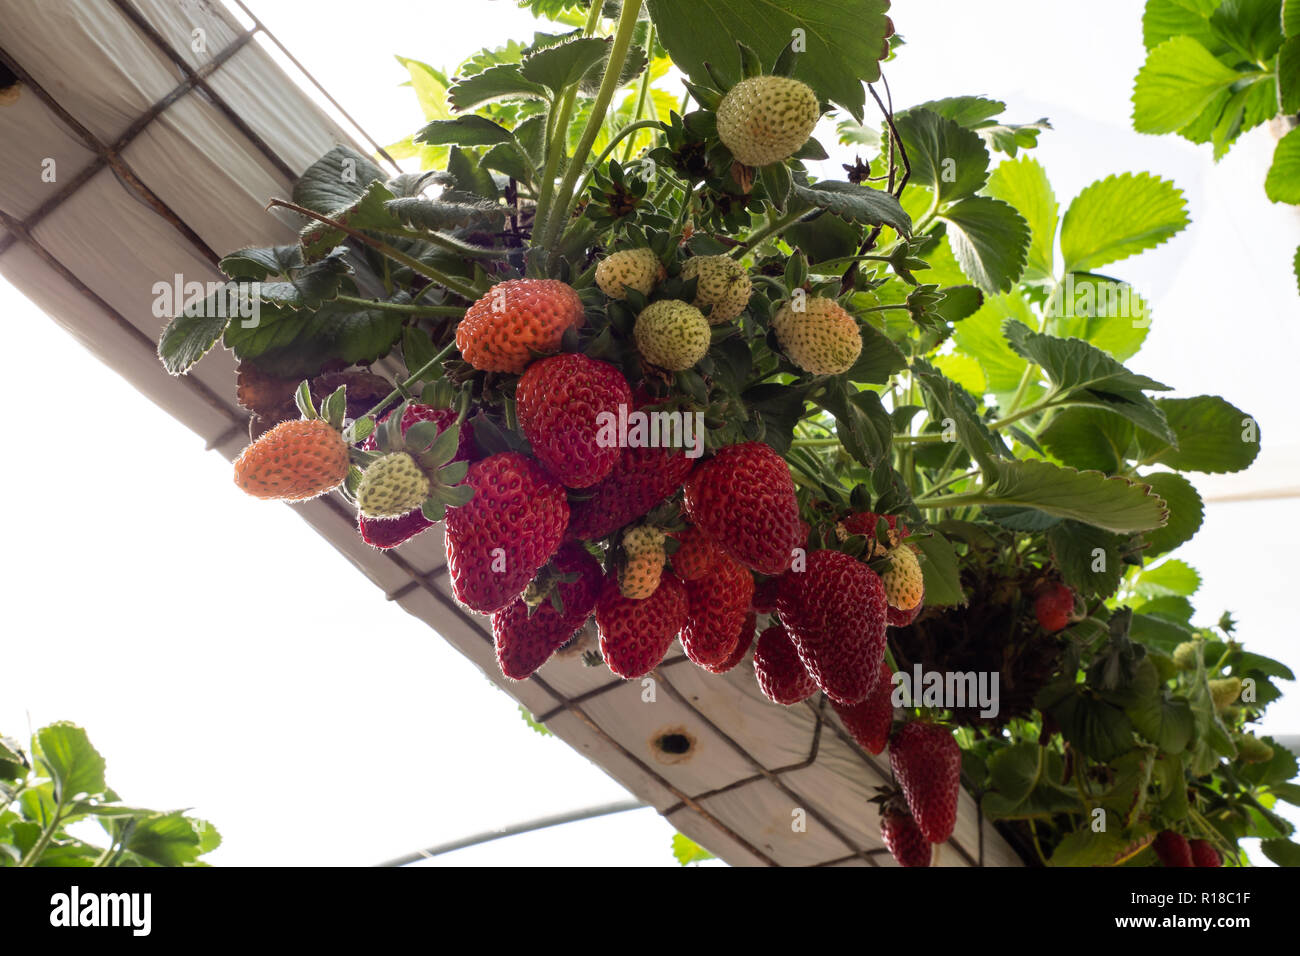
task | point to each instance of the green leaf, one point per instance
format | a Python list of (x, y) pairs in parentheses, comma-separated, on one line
[(1186, 512), (687, 851), (1171, 577), (857, 204), (1109, 314), (528, 719), (948, 159), (990, 240), (257, 263), (168, 839), (1281, 852), (1177, 82), (940, 572), (1115, 504), (1251, 27), (1291, 17), (502, 82), (1089, 438), (1212, 436), (469, 130), (1165, 19), (1086, 375), (1282, 184), (291, 343), (189, 337), (981, 336), (1288, 76), (1083, 847), (1023, 183), (954, 404), (880, 357), (1120, 216), (335, 181), (1097, 729), (1074, 551), (843, 40), (559, 66), (861, 422), (64, 753)]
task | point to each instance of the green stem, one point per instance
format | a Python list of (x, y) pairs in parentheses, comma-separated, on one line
[(623, 33), (886, 308), (1033, 409), (814, 442), (415, 377), (963, 500), (415, 265), (643, 96), (47, 834), (434, 310), (773, 228), (557, 138)]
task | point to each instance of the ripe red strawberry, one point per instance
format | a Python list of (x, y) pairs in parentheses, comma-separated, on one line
[(927, 762), (718, 604), (1172, 849), (294, 461), (781, 675), (635, 635), (835, 612), (515, 321), (642, 478), (385, 533), (743, 498), (525, 642), (765, 595), (742, 646), (906, 843), (562, 402), (510, 528), (696, 554), (1053, 607), (1204, 853), (870, 721), (896, 618)]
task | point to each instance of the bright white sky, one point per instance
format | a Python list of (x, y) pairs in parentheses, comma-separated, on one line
[(223, 658)]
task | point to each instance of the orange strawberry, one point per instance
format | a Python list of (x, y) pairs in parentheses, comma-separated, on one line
[(515, 321), (294, 461)]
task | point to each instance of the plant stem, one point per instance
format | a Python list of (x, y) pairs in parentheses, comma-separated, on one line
[(415, 265), (557, 138), (1024, 412), (773, 228), (415, 377), (435, 310), (954, 501), (559, 214), (643, 95), (47, 834)]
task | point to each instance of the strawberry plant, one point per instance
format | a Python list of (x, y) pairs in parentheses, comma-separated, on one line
[(1216, 69), (58, 783), (654, 366)]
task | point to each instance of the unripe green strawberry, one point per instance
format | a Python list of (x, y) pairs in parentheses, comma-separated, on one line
[(1185, 656), (767, 119), (392, 486), (644, 547), (1253, 750), (904, 585), (723, 287), (1225, 692), (672, 334), (821, 338), (638, 269)]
